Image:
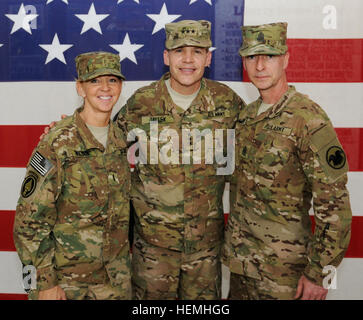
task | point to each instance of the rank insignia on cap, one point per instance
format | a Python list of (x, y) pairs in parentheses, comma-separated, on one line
[(29, 185), (335, 157), (40, 164), (261, 37)]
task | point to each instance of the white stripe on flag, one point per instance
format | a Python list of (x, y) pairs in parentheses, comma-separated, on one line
[(309, 19), (10, 273), (12, 179), (39, 103), (60, 98)]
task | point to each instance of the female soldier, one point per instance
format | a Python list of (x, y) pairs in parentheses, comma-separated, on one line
[(72, 217)]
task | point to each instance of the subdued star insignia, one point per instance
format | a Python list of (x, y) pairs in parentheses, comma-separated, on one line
[(335, 157), (261, 37)]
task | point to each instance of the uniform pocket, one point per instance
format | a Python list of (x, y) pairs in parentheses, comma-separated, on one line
[(271, 158), (83, 194)]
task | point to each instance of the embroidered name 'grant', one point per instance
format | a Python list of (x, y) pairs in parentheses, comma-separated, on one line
[(278, 129)]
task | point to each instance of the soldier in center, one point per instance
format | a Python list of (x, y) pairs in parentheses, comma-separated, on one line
[(178, 206)]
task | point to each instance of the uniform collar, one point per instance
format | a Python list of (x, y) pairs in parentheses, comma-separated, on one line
[(271, 112), (203, 101), (90, 142)]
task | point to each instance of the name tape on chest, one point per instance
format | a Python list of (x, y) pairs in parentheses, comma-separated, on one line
[(170, 119), (278, 129), (159, 119), (40, 164), (218, 114)]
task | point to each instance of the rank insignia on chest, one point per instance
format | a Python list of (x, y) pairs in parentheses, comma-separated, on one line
[(82, 153), (242, 121), (278, 129), (244, 152)]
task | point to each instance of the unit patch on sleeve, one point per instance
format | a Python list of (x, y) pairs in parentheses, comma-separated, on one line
[(29, 185), (40, 164), (330, 153), (335, 157)]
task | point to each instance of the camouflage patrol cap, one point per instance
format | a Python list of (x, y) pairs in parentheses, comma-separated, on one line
[(267, 39), (91, 65), (188, 33)]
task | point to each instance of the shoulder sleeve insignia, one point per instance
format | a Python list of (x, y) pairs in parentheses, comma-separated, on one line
[(29, 185), (331, 155), (335, 157), (40, 164)]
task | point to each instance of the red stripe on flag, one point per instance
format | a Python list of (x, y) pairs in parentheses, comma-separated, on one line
[(324, 60), (355, 249), (13, 296), (18, 142)]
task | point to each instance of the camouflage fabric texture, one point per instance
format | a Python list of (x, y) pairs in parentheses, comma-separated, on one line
[(286, 157), (179, 206), (188, 33), (72, 218), (246, 288), (163, 274), (91, 65), (267, 39), (75, 290)]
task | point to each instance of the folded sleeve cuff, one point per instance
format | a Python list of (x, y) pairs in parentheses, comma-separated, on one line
[(314, 275)]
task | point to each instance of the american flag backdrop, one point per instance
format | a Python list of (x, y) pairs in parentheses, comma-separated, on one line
[(39, 40)]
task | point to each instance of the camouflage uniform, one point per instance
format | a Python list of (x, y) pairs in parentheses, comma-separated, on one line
[(72, 218), (285, 157), (179, 214)]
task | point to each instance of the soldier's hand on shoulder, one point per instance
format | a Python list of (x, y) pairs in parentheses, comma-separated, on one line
[(51, 125)]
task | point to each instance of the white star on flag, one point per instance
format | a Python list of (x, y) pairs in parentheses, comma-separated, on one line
[(55, 50), (119, 1), (127, 50), (1, 45), (208, 1), (21, 20), (65, 1), (162, 18), (211, 49), (91, 20)]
